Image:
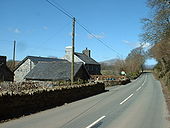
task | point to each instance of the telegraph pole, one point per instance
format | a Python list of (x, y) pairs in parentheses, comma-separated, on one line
[(14, 55), (72, 62)]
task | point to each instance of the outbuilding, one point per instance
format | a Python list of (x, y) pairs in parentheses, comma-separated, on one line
[(56, 71), (5, 73)]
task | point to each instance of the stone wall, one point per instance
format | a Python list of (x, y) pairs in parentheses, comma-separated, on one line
[(23, 70), (111, 80), (116, 82), (15, 105)]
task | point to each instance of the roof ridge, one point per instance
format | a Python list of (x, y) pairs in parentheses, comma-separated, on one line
[(85, 58), (38, 57)]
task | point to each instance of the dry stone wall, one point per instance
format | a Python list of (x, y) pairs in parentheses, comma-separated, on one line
[(14, 105)]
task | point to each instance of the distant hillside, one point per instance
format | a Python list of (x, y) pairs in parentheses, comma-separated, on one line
[(108, 62)]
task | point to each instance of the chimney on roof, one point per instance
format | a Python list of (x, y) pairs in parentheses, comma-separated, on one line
[(3, 60), (86, 52), (68, 50)]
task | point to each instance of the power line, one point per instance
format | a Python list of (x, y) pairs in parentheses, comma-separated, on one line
[(98, 39), (61, 9)]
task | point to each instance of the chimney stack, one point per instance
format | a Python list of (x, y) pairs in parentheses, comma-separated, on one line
[(68, 50), (86, 52)]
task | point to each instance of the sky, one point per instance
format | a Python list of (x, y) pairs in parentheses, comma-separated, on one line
[(41, 30)]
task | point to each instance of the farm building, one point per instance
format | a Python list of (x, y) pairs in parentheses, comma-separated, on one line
[(54, 71), (91, 65), (5, 73), (27, 64)]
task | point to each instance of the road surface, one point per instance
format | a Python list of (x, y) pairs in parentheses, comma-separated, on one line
[(139, 104)]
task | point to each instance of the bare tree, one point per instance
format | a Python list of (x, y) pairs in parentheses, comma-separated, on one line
[(158, 25), (135, 61), (157, 32)]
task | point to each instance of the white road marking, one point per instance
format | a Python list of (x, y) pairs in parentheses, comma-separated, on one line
[(139, 88), (98, 120), (142, 84), (144, 80), (126, 99)]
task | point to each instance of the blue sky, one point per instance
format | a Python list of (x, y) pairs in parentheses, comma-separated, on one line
[(42, 30)]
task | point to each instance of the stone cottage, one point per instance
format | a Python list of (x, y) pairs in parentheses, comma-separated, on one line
[(5, 73), (27, 64), (59, 70), (91, 65)]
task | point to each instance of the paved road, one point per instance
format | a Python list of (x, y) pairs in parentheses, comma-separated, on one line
[(139, 104)]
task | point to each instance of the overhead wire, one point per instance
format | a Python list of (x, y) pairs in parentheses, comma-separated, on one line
[(61, 9), (98, 38)]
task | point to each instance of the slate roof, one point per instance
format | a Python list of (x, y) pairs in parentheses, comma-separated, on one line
[(59, 70), (36, 59), (86, 59)]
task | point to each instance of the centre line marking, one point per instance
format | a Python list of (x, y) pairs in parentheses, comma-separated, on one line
[(98, 120), (138, 88), (126, 99), (144, 81)]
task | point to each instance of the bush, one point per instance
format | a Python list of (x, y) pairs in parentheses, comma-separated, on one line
[(133, 75)]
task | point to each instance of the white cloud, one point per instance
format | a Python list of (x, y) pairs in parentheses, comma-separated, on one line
[(137, 44), (126, 42), (14, 30), (132, 44), (45, 27), (146, 45), (98, 36), (17, 30)]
